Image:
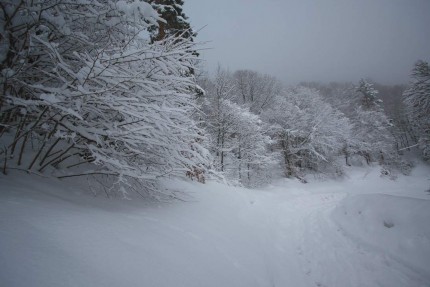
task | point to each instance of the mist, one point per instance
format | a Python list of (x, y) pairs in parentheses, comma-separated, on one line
[(333, 40)]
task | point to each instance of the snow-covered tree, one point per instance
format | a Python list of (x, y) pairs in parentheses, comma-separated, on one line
[(84, 84), (374, 140), (251, 155), (237, 138), (374, 134), (254, 90), (417, 100), (174, 20), (369, 95), (307, 130)]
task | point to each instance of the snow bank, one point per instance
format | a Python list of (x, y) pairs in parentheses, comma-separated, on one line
[(395, 225), (52, 233)]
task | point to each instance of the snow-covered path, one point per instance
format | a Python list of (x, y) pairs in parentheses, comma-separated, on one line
[(326, 256), (319, 234)]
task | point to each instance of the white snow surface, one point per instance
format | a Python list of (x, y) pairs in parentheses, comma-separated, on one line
[(360, 231)]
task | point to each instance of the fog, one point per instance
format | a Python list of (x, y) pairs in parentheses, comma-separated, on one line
[(314, 40)]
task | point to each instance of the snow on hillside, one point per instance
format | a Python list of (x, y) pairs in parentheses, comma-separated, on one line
[(398, 226), (361, 231)]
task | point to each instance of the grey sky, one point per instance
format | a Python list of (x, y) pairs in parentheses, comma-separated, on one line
[(320, 40)]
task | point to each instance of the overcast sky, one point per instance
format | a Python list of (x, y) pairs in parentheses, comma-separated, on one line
[(315, 40)]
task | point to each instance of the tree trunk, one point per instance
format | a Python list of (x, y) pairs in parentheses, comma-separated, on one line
[(222, 153), (240, 165)]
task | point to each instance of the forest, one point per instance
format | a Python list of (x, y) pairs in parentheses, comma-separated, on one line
[(127, 100)]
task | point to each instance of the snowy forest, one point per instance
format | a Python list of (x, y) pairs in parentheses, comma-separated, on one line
[(114, 88), (115, 95)]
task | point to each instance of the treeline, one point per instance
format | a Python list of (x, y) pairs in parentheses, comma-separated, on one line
[(108, 89), (259, 129)]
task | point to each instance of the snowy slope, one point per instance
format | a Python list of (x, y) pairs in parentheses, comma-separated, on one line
[(397, 226), (54, 233)]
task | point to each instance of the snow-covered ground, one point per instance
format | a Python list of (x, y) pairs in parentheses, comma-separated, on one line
[(360, 231)]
